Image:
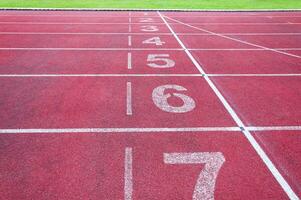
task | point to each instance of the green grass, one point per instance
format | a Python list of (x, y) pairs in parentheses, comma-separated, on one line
[(155, 4)]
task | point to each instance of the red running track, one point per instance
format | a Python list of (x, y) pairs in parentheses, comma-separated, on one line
[(148, 105)]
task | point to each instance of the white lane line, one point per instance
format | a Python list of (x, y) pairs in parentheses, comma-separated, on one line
[(129, 60), (233, 16), (130, 30), (148, 33), (100, 15), (238, 23), (136, 49), (274, 128), (129, 98), (130, 40), (157, 23), (253, 34), (128, 173), (181, 16), (90, 49), (199, 130), (269, 75), (234, 39), (78, 33), (140, 75), (130, 23), (97, 75), (285, 186), (74, 23), (217, 49), (119, 130)]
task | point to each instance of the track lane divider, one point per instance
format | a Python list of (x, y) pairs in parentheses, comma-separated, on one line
[(148, 130)]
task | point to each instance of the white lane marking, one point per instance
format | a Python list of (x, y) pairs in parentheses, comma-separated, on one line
[(149, 130), (119, 130), (137, 75), (183, 16), (125, 23), (269, 75), (129, 60), (144, 33), (136, 49), (130, 23), (253, 34), (76, 23), (235, 39), (283, 49), (232, 16), (79, 33), (274, 128), (92, 49), (128, 173), (129, 98), (130, 40), (238, 23), (96, 75), (285, 186), (205, 184)]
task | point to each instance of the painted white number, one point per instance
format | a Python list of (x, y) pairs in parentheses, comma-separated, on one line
[(161, 100), (204, 187), (149, 28), (146, 20), (154, 40), (160, 61)]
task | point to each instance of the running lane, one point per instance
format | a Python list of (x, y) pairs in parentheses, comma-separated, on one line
[(92, 166)]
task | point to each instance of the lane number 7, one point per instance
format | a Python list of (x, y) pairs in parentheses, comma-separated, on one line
[(205, 185)]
